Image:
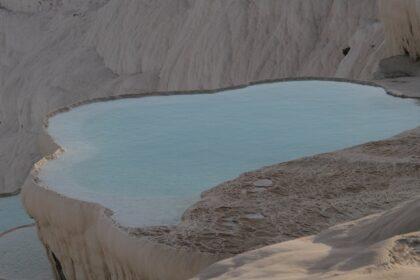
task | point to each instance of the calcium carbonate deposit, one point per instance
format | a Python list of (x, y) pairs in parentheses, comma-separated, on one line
[(150, 158)]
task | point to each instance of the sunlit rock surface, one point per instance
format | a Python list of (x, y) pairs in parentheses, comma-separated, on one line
[(382, 246)]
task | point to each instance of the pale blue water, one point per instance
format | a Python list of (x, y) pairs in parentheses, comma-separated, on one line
[(12, 213), (149, 158)]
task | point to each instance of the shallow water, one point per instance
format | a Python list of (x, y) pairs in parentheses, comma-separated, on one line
[(149, 158), (22, 256), (12, 213)]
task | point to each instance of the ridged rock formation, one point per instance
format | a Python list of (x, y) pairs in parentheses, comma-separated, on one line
[(401, 19)]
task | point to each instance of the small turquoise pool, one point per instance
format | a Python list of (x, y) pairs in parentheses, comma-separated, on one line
[(149, 158)]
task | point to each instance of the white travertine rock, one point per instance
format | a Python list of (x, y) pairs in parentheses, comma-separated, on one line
[(221, 43), (83, 240), (401, 19)]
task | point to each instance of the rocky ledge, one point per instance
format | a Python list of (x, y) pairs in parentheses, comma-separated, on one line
[(270, 205)]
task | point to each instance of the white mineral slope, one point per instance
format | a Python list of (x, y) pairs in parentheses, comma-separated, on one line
[(55, 53), (382, 246), (222, 43)]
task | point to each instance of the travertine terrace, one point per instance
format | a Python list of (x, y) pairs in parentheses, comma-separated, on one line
[(58, 53)]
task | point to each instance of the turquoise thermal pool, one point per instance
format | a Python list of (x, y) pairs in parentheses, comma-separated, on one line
[(148, 159)]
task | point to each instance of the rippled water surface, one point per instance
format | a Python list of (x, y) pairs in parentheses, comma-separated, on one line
[(149, 158)]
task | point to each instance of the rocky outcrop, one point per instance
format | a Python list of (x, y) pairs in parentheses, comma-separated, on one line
[(83, 242)]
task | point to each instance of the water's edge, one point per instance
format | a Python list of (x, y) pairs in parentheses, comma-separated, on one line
[(34, 193), (57, 150)]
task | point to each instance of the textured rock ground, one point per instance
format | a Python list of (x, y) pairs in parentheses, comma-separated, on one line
[(382, 246)]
